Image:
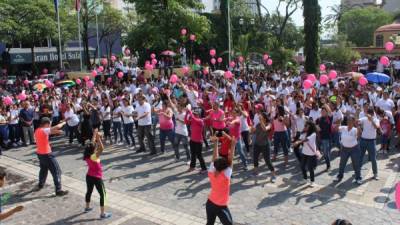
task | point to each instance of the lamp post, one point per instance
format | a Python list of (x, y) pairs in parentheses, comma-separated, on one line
[(229, 31)]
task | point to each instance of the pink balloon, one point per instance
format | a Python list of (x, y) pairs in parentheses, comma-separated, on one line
[(78, 81), (26, 82), (228, 74), (183, 32), (322, 67), (149, 67), (109, 80), (113, 58), (173, 79), (152, 56), (101, 69), (154, 62), (241, 59), (86, 78), (332, 74), (48, 83), (197, 62), (103, 61), (120, 74), (7, 100), (307, 84), (389, 46), (311, 77), (22, 97), (205, 71), (265, 57), (269, 62), (94, 73), (89, 84), (219, 60), (213, 52), (363, 81), (213, 61), (232, 64), (384, 60), (192, 37), (323, 79), (185, 69), (147, 62), (45, 71)]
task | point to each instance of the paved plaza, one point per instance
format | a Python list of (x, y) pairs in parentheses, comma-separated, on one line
[(157, 190)]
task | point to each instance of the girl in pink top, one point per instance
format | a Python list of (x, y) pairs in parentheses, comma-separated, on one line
[(217, 117), (219, 173), (196, 139), (166, 125), (94, 176), (234, 124)]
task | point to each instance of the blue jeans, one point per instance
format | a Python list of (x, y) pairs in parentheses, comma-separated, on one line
[(117, 130), (154, 122), (49, 162), (326, 150), (239, 149), (163, 135), (281, 139), (178, 138), (4, 132), (370, 146), (354, 154), (128, 133)]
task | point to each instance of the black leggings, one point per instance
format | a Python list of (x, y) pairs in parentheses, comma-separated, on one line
[(246, 140), (266, 151), (98, 182), (107, 128), (309, 162), (222, 212), (195, 152)]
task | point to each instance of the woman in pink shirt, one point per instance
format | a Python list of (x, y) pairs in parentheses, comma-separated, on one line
[(217, 117), (281, 137), (220, 173), (196, 138), (94, 176), (234, 124), (166, 125)]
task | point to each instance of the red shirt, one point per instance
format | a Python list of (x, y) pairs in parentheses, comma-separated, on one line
[(196, 127), (225, 146), (42, 141)]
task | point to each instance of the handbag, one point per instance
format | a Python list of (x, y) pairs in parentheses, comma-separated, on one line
[(317, 152)]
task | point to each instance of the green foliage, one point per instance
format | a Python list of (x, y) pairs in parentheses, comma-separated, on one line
[(359, 24), (312, 21), (161, 21), (282, 57), (340, 53)]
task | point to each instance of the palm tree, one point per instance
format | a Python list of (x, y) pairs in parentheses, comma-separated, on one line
[(312, 22)]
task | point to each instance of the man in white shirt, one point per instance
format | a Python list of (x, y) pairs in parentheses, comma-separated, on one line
[(385, 103), (369, 125), (143, 117)]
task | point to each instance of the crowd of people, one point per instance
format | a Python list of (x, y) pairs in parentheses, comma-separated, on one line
[(253, 113)]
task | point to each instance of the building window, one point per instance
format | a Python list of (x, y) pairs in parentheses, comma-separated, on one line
[(379, 40)]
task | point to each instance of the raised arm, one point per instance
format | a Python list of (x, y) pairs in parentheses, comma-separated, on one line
[(214, 139), (99, 145), (57, 128)]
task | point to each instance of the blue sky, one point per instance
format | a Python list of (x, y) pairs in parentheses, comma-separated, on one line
[(298, 17)]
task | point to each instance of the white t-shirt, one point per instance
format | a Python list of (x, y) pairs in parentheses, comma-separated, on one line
[(14, 114), (141, 110), (310, 146), (315, 114), (116, 114), (396, 64), (106, 112), (348, 138), (244, 126), (300, 123), (181, 127), (368, 129), (387, 104), (74, 120), (127, 114)]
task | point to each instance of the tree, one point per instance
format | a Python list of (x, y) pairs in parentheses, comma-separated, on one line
[(341, 53), (359, 24), (312, 21), (28, 22)]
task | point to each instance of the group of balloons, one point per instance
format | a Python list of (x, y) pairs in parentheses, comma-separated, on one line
[(323, 79), (192, 37)]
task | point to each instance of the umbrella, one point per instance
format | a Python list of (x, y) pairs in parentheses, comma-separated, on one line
[(376, 77), (168, 53), (40, 86), (218, 72), (356, 76), (66, 83)]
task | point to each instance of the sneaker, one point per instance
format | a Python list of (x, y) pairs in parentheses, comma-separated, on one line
[(105, 215), (61, 193), (88, 210), (337, 180), (273, 179), (375, 177), (312, 184), (14, 145), (359, 182)]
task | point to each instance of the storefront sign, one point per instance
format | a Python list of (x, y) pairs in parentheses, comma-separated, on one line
[(25, 58)]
